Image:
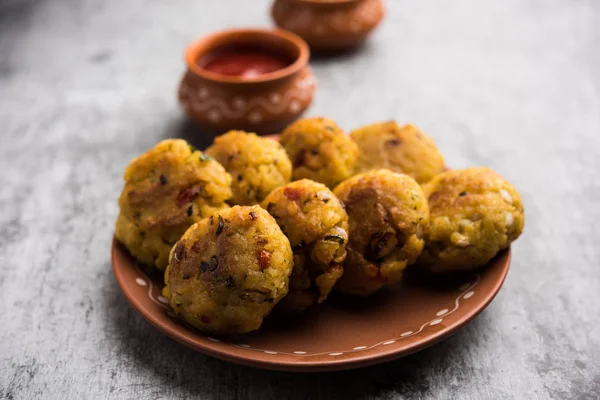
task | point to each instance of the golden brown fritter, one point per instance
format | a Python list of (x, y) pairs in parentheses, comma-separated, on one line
[(316, 224), (166, 190), (257, 165), (387, 213), (319, 151), (228, 271), (403, 149), (475, 213)]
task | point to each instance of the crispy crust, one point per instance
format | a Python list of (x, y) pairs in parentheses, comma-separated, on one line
[(320, 151), (387, 213), (475, 213), (166, 190), (316, 224), (257, 165), (229, 270), (403, 149)]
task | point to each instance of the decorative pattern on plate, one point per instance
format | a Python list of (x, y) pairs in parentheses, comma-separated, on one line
[(211, 101), (466, 292)]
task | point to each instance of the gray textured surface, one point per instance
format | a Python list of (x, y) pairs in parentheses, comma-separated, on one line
[(87, 85)]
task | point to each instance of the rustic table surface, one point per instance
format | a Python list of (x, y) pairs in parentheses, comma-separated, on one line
[(87, 85)]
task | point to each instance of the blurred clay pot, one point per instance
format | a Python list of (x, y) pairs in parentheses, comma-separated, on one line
[(264, 103), (329, 25)]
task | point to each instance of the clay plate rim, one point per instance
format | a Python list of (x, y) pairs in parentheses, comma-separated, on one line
[(231, 353)]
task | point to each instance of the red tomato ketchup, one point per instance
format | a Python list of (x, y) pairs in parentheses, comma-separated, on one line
[(244, 62)]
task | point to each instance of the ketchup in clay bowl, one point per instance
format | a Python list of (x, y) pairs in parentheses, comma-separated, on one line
[(257, 80), (246, 62)]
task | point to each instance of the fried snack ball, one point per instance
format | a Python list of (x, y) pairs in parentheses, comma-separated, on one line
[(475, 213), (166, 190), (257, 165), (228, 271), (316, 224), (404, 149), (388, 213), (319, 151)]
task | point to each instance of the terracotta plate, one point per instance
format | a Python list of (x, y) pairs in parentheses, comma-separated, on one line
[(341, 333)]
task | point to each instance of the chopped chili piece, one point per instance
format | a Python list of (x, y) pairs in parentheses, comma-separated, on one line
[(253, 215), (188, 194), (163, 179), (264, 258), (292, 193), (462, 194)]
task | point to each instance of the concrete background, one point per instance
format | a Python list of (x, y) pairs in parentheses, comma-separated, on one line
[(87, 85)]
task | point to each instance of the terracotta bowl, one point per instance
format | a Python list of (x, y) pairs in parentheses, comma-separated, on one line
[(263, 104), (341, 333), (329, 24)]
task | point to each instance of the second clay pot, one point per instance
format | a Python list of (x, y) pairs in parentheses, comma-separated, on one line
[(329, 25)]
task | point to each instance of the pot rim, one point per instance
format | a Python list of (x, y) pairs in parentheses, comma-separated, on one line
[(208, 43)]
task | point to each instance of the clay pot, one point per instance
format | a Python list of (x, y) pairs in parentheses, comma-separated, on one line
[(329, 24), (263, 104)]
